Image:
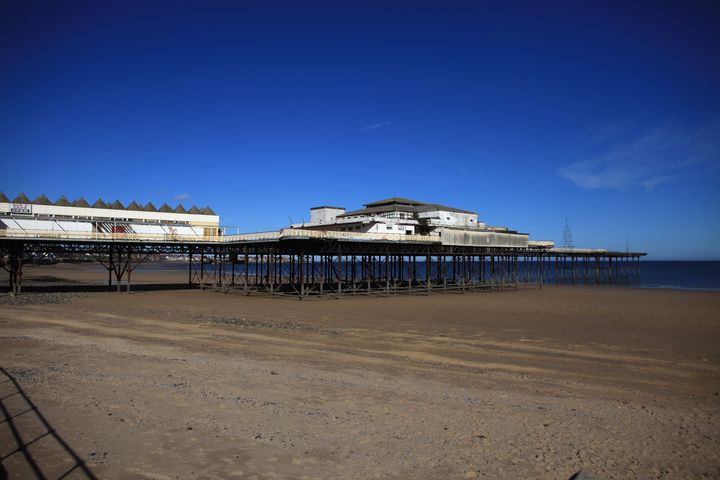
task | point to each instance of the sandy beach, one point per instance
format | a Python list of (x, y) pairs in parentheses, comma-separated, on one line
[(200, 384)]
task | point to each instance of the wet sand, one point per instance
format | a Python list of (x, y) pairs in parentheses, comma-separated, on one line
[(527, 384)]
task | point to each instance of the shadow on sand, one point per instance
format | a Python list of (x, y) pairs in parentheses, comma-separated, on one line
[(87, 288), (21, 455)]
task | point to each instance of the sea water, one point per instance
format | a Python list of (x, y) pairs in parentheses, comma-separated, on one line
[(683, 275)]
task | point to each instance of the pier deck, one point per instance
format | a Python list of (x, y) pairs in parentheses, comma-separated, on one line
[(326, 264)]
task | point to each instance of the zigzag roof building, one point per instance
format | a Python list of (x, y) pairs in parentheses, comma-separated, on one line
[(79, 216)]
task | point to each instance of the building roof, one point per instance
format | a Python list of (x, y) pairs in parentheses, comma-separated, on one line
[(394, 201), (62, 202), (327, 206), (81, 202), (399, 204), (22, 198), (381, 209), (432, 207), (100, 203), (42, 200)]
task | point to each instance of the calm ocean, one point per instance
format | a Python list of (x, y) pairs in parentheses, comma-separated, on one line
[(697, 275), (682, 275)]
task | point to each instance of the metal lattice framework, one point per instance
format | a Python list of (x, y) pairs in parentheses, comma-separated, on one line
[(568, 237), (336, 267)]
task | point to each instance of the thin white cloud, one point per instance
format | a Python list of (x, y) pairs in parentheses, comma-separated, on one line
[(182, 196), (462, 169), (375, 126), (657, 156), (609, 131)]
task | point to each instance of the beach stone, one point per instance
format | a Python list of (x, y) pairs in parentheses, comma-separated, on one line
[(583, 474), (38, 298)]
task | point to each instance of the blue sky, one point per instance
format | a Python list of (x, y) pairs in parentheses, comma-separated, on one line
[(527, 112)]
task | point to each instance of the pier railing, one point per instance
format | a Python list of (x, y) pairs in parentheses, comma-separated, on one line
[(305, 263), (286, 233), (299, 233), (104, 236)]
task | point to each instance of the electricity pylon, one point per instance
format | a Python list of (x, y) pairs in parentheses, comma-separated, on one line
[(567, 237)]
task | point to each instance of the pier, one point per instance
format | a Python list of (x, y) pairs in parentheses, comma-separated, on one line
[(328, 264), (388, 247)]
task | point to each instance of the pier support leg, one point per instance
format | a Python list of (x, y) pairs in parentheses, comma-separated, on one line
[(339, 274), (190, 255), (15, 270), (301, 274), (247, 266), (202, 270), (110, 268), (428, 274)]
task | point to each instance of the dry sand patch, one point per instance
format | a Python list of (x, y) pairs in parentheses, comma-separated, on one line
[(528, 384)]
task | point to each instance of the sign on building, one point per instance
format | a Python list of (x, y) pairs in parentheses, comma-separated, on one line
[(21, 208)]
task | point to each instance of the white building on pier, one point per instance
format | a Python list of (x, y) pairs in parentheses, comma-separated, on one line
[(43, 216), (402, 216)]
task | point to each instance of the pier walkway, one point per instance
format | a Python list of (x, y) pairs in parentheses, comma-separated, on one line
[(327, 264)]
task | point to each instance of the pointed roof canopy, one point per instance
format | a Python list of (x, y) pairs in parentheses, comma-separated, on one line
[(399, 204), (81, 202), (22, 198), (100, 203), (395, 201), (42, 200), (62, 202)]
